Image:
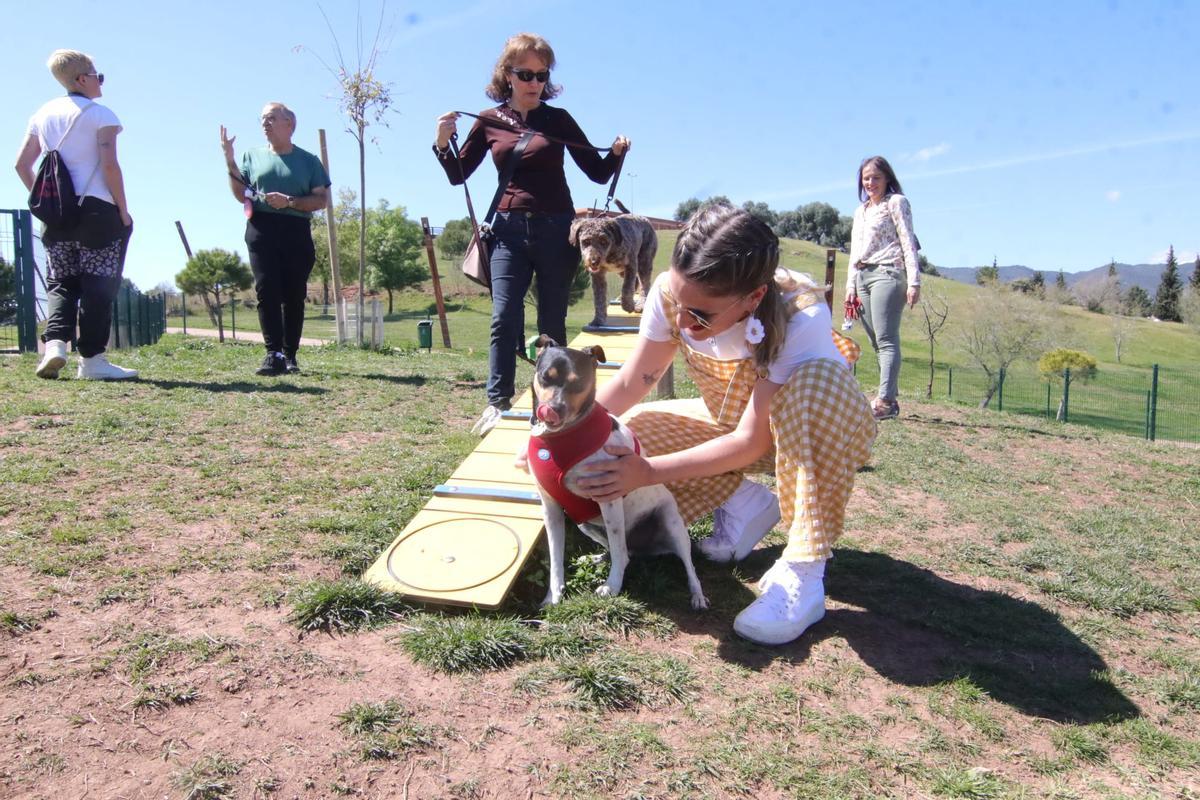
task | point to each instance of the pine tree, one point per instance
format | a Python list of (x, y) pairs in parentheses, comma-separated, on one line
[(1170, 287), (1195, 281), (1061, 281)]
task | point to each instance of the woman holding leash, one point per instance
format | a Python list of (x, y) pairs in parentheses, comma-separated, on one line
[(536, 209), (883, 250), (777, 396)]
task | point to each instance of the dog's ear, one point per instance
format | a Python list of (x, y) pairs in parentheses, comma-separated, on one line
[(573, 236), (543, 341), (596, 352), (614, 230)]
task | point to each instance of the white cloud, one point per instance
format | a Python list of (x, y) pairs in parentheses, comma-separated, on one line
[(1112, 195), (926, 153)]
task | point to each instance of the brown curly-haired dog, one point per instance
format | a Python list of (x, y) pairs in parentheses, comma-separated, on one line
[(625, 244)]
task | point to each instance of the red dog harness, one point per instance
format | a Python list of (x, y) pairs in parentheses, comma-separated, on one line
[(552, 456)]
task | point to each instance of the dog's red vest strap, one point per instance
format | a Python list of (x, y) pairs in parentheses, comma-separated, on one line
[(551, 457)]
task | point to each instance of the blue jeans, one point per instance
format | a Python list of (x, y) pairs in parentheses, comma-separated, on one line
[(527, 244), (883, 290)]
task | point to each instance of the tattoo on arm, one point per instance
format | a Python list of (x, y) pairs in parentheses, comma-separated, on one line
[(650, 378)]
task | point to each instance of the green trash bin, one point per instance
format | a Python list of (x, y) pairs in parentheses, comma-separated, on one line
[(425, 334)]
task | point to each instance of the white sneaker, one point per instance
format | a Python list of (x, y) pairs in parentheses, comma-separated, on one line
[(487, 420), (741, 522), (54, 359), (97, 368), (792, 599)]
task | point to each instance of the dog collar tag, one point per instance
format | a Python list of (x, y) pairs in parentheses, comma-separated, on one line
[(543, 454)]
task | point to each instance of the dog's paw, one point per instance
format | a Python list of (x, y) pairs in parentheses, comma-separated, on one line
[(639, 305), (598, 322), (605, 590), (699, 602), (552, 598), (628, 305)]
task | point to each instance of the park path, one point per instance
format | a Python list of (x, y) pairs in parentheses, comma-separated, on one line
[(242, 336)]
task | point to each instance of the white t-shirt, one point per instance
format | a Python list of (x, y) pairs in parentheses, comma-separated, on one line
[(809, 336), (81, 151)]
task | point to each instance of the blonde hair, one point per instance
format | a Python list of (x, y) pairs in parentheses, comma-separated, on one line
[(287, 112), (67, 65), (730, 252), (499, 88)]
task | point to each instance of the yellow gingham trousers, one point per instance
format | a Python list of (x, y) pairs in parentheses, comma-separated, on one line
[(822, 427)]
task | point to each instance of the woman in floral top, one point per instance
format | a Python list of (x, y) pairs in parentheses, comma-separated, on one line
[(883, 271)]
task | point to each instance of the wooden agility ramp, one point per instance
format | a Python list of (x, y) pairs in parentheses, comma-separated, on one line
[(469, 542)]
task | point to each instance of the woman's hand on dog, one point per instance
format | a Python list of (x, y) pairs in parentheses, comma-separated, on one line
[(612, 480)]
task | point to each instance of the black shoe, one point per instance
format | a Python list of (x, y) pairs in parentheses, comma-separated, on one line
[(291, 365), (273, 364)]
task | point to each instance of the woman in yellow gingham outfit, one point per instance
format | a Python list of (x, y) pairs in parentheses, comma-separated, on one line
[(777, 395)]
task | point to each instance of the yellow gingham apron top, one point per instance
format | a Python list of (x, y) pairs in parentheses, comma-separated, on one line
[(821, 424)]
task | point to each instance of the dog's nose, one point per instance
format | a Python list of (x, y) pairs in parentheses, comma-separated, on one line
[(547, 414)]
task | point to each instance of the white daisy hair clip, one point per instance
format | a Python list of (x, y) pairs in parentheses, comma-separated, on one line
[(754, 330)]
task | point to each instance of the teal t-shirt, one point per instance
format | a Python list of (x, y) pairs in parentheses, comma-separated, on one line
[(295, 174)]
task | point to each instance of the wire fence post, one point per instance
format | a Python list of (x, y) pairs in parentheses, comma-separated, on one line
[(1066, 403), (1153, 402), (950, 382), (1000, 389), (1146, 432), (1047, 401), (183, 308), (233, 317)]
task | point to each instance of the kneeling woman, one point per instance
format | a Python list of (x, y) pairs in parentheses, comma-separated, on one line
[(777, 396)]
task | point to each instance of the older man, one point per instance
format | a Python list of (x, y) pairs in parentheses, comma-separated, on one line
[(280, 185)]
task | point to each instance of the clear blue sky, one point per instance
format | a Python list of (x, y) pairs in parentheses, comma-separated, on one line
[(1055, 135)]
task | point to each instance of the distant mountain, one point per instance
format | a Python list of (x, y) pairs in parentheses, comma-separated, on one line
[(1146, 276)]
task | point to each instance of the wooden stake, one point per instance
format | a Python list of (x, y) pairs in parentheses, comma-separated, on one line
[(830, 261), (437, 282), (339, 308)]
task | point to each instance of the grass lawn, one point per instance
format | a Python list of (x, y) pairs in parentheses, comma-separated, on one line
[(1013, 612), (1114, 400)]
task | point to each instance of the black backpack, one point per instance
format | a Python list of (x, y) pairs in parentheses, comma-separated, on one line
[(52, 198)]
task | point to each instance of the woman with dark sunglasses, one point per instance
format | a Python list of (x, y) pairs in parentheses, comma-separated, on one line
[(84, 262), (535, 213), (776, 396)]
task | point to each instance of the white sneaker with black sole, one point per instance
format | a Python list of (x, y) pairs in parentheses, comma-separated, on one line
[(741, 522), (54, 359), (792, 600), (98, 368)]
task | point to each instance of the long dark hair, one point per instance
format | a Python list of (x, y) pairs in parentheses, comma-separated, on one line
[(880, 163), (729, 252)]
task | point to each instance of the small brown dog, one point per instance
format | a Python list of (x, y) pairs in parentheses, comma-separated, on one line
[(626, 245)]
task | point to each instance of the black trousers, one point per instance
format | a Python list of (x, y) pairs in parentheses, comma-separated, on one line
[(84, 276), (282, 258)]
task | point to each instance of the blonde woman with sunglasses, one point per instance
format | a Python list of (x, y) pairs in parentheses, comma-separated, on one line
[(777, 396), (535, 213)]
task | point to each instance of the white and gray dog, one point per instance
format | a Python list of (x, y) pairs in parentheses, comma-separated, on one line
[(626, 245)]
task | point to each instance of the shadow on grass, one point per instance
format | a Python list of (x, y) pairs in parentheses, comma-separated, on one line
[(919, 629), (246, 387), (406, 380)]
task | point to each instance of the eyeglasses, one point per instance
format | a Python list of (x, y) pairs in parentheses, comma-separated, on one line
[(705, 318), (528, 75), (99, 76)]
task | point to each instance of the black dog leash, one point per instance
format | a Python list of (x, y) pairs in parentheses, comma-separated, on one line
[(499, 123)]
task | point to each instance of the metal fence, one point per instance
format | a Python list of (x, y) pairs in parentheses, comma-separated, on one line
[(1155, 403), (138, 318)]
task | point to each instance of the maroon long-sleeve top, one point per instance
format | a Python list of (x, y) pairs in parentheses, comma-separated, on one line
[(540, 181)]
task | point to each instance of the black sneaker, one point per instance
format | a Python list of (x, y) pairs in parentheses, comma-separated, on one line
[(273, 364), (291, 365)]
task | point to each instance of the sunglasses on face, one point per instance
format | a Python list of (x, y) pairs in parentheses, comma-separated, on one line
[(528, 75), (705, 318), (99, 76)]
